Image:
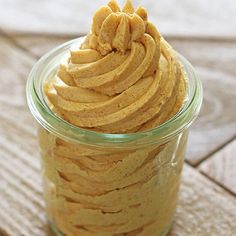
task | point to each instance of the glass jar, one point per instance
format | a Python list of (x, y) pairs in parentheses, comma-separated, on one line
[(109, 184)]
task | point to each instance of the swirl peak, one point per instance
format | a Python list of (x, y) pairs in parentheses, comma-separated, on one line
[(114, 29)]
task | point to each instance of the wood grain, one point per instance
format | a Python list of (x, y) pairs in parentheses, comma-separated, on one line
[(189, 18), (214, 62), (38, 45), (222, 167), (204, 208), (21, 203)]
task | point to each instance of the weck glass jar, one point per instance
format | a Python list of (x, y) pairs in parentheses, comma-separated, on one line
[(109, 184)]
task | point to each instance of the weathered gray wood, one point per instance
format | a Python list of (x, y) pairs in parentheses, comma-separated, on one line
[(205, 18), (214, 62), (38, 45), (222, 167), (204, 208), (21, 203)]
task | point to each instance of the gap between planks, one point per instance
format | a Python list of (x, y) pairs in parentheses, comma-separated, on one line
[(216, 182), (212, 153)]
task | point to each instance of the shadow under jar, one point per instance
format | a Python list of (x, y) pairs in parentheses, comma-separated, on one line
[(109, 184)]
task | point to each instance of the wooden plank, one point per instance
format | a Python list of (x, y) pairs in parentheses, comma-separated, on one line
[(204, 208), (214, 62), (21, 203), (222, 167), (189, 18), (38, 45)]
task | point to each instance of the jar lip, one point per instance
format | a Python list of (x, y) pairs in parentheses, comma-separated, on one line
[(61, 128)]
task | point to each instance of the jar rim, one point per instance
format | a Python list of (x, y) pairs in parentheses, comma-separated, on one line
[(61, 128)]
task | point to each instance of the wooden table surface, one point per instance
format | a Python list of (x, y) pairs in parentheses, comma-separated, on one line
[(203, 33)]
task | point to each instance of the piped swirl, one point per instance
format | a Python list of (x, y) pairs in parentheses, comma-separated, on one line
[(124, 77)]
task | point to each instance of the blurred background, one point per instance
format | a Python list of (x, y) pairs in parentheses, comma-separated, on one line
[(203, 31), (72, 17)]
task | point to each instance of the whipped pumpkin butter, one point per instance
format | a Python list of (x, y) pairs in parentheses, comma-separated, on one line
[(123, 78)]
